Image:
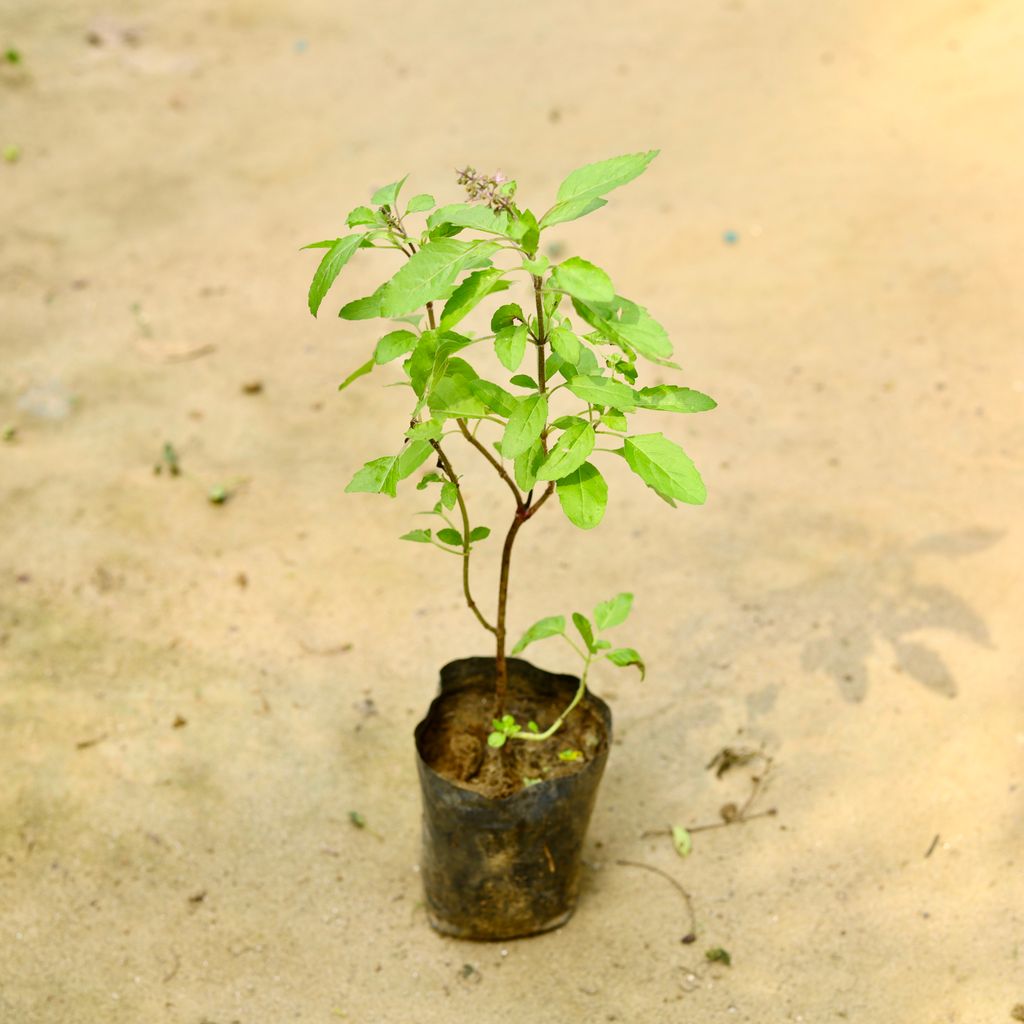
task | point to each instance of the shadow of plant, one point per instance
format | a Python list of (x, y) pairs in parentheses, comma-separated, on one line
[(860, 605)]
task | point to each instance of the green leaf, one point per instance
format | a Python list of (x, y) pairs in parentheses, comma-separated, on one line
[(330, 266), (327, 243), (613, 612), (526, 231), (469, 293), (670, 398), (569, 755), (495, 397), (449, 494), (614, 420), (388, 195), (571, 209), (496, 739), (665, 467), (642, 332), (682, 841), (533, 726), (393, 345), (571, 450), (426, 431), (452, 394), (524, 425), (553, 625), (719, 955), (583, 281), (362, 371), (379, 476), (583, 495), (479, 533), (419, 536), (597, 179), (537, 266), (526, 465), (364, 216), (523, 380), (450, 536), (566, 344), (510, 345), (603, 391), (506, 316), (363, 309), (584, 628), (419, 203), (431, 273), (625, 656), (463, 215)]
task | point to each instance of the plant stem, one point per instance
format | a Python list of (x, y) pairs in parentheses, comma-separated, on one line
[(524, 510), (557, 724), (520, 504), (450, 473)]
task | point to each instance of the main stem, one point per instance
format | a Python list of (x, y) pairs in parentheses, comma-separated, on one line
[(523, 512)]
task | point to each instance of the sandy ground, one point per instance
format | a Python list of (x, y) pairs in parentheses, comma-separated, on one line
[(850, 597)]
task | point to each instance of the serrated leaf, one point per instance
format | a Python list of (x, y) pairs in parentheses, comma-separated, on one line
[(330, 266), (419, 536), (553, 625), (670, 398), (363, 216), (479, 533), (361, 371), (465, 216), (510, 345), (506, 316), (570, 451), (419, 203), (452, 394), (571, 209), (625, 656), (379, 476), (363, 309), (470, 292), (393, 345), (682, 841), (584, 628), (431, 273), (524, 425), (664, 466), (599, 178), (537, 266), (583, 280), (613, 612), (603, 391), (428, 430), (495, 397), (583, 495), (526, 465), (566, 344), (388, 195), (450, 536)]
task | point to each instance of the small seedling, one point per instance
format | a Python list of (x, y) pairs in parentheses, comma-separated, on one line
[(572, 353), (682, 841)]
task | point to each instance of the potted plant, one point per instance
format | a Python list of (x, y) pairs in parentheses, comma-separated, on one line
[(510, 756)]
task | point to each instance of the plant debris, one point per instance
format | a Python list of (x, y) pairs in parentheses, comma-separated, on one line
[(717, 955)]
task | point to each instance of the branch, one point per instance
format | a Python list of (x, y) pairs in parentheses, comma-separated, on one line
[(499, 468), (447, 467)]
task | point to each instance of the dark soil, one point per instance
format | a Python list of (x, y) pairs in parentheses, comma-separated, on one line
[(456, 747)]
